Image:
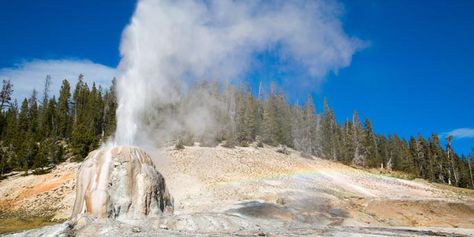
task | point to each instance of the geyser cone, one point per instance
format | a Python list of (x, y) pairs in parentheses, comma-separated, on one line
[(120, 182)]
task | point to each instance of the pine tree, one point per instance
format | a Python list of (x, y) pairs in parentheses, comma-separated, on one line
[(64, 110), (242, 117), (11, 129), (226, 117), (5, 102), (423, 158), (283, 129), (110, 107), (383, 152), (393, 156), (6, 94), (270, 123), (452, 171), (33, 116), (297, 130), (329, 128), (311, 134), (259, 104), (43, 128), (250, 117), (347, 144), (439, 159), (26, 147), (470, 160), (41, 158), (95, 107), (359, 158), (370, 145), (83, 135)]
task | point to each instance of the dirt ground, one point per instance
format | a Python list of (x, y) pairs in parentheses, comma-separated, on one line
[(222, 190), (291, 187), (49, 195)]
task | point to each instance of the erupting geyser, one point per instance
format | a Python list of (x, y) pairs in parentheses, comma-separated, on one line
[(120, 183), (170, 44)]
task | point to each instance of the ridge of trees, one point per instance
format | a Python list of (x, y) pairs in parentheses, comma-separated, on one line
[(42, 132)]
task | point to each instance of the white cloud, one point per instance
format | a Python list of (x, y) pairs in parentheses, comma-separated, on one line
[(30, 75), (460, 133)]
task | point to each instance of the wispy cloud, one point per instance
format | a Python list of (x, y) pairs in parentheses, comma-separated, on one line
[(30, 75), (460, 133)]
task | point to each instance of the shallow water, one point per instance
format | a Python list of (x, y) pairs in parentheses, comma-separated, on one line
[(16, 224)]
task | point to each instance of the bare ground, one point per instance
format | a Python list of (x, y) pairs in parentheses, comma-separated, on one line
[(248, 190)]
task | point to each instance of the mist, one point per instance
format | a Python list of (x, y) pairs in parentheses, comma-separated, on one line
[(170, 45)]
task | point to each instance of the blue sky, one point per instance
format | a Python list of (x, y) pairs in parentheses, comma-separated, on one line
[(416, 75)]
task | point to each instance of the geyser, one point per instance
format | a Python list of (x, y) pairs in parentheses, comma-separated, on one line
[(170, 44), (120, 183)]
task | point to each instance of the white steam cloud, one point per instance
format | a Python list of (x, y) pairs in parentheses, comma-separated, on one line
[(169, 43)]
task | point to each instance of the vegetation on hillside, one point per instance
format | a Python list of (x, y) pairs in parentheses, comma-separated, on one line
[(39, 132)]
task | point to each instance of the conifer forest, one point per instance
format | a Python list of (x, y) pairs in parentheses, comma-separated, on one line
[(47, 128)]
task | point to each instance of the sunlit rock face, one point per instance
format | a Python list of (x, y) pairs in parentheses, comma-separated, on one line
[(120, 183)]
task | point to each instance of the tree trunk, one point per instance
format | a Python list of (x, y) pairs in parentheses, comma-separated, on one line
[(470, 172), (449, 176)]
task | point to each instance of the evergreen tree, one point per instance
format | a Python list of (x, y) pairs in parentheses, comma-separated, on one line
[(33, 116), (439, 162), (311, 134), (470, 167), (83, 135), (270, 122), (41, 159), (95, 110), (26, 147), (383, 152), (110, 107), (43, 128), (359, 158), (347, 144), (297, 130), (329, 133), (250, 117), (6, 94), (452, 171), (64, 111), (5, 102), (283, 129), (423, 158), (10, 131), (370, 145)]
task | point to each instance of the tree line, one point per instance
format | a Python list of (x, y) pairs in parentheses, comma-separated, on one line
[(42, 132), (269, 118)]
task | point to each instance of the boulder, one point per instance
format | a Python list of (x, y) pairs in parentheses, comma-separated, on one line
[(120, 183)]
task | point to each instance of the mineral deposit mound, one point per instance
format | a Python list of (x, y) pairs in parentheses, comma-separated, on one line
[(120, 183)]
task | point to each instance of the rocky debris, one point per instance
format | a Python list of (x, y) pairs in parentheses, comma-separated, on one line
[(283, 149), (120, 183), (136, 229)]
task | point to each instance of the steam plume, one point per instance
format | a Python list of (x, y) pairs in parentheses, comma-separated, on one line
[(169, 43)]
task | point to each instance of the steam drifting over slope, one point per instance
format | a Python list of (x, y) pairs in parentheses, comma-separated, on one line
[(171, 43)]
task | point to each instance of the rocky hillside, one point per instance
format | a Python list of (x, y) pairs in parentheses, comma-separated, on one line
[(249, 190)]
